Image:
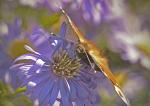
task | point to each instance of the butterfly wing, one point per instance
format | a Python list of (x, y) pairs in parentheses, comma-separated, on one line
[(95, 54), (75, 29), (102, 64)]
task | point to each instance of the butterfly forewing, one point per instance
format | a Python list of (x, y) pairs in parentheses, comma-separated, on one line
[(100, 61)]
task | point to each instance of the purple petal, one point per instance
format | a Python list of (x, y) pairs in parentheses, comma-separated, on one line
[(16, 66), (26, 57), (37, 78), (73, 91), (63, 30), (54, 92), (41, 40), (64, 91), (82, 91), (52, 95), (45, 92), (40, 82), (46, 101), (31, 50)]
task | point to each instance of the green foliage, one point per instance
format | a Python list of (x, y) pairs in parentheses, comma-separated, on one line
[(139, 5), (28, 15), (8, 97), (49, 20), (107, 100), (142, 99)]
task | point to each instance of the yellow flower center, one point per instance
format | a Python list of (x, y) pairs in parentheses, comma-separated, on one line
[(65, 66)]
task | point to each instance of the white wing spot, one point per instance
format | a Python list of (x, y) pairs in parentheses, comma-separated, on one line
[(120, 93)]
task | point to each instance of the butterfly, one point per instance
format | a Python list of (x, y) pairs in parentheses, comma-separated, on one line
[(93, 52)]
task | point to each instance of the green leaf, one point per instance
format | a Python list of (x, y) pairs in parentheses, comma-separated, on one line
[(9, 97), (48, 20), (20, 90)]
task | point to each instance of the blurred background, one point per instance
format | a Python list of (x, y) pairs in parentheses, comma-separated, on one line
[(120, 28)]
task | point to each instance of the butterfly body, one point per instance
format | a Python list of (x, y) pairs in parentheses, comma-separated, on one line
[(101, 62), (96, 55), (91, 49)]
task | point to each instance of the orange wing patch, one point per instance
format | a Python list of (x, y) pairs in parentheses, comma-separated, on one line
[(100, 61)]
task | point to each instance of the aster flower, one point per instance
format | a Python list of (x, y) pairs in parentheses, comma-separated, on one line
[(57, 75)]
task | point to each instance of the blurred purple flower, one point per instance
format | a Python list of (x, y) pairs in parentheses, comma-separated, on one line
[(128, 39), (90, 11), (12, 45), (57, 74), (116, 8), (31, 3), (8, 32), (132, 87)]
